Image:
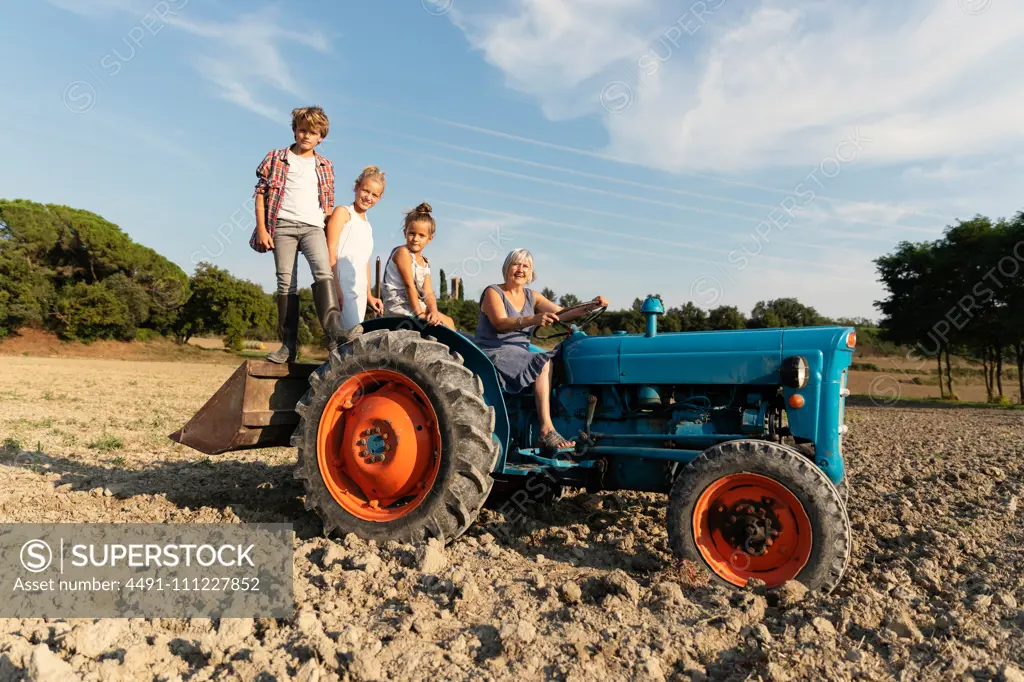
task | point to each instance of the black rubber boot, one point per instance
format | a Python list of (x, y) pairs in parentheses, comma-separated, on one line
[(325, 298), (287, 328)]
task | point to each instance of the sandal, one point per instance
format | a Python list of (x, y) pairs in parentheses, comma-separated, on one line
[(551, 440)]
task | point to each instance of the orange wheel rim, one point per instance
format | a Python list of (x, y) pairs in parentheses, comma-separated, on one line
[(378, 445), (751, 526)]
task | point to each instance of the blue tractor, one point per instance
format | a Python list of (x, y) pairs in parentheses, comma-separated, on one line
[(404, 434)]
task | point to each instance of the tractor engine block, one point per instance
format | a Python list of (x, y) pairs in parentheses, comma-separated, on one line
[(690, 418)]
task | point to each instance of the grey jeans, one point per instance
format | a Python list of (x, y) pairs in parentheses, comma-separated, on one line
[(290, 238)]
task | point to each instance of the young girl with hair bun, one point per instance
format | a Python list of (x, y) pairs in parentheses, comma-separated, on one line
[(350, 245), (406, 288)]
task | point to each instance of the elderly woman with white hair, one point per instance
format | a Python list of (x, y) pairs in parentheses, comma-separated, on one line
[(508, 313)]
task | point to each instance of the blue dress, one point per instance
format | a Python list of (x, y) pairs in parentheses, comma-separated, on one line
[(518, 366)]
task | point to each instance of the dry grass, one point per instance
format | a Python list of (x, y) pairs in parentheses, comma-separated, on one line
[(94, 410)]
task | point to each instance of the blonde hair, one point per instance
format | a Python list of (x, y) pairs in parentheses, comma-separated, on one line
[(515, 256), (370, 173), (421, 212), (313, 117)]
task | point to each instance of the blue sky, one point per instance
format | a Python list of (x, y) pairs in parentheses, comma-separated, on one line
[(723, 152)]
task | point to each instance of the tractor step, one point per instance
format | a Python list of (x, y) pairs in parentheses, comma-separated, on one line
[(254, 408)]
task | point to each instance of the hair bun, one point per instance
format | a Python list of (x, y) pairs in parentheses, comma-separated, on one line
[(420, 214)]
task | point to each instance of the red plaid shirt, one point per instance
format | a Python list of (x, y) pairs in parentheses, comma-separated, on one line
[(271, 176)]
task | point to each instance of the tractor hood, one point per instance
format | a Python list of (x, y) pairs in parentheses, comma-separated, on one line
[(744, 356)]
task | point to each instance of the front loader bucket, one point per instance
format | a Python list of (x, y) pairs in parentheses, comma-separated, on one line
[(255, 408)]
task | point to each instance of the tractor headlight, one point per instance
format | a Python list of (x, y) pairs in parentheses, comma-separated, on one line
[(795, 371)]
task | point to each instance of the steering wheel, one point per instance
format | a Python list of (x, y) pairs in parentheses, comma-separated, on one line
[(565, 328)]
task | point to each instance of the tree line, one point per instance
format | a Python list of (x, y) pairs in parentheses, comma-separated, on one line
[(960, 295)]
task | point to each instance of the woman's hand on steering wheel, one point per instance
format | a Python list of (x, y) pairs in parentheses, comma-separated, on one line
[(545, 319), (596, 308)]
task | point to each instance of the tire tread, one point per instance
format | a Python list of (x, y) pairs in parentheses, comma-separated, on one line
[(471, 451)]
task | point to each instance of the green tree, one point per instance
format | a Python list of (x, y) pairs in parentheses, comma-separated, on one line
[(93, 311), (443, 288), (46, 250), (1013, 242), (568, 300), (669, 323), (968, 251), (690, 318), (27, 292), (726, 317), (223, 304), (549, 293), (465, 314), (912, 308), (784, 312)]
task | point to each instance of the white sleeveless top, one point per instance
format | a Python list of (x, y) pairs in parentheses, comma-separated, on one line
[(395, 295), (355, 246)]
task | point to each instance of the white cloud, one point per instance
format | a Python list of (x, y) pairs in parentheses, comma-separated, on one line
[(247, 60), (241, 58), (780, 84), (545, 44)]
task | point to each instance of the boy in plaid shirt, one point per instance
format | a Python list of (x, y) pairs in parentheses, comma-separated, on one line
[(294, 196)]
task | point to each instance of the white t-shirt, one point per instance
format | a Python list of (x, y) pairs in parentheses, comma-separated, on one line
[(301, 199)]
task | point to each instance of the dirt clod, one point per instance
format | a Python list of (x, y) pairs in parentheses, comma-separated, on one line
[(95, 638), (46, 666), (903, 625), (618, 582), (670, 593), (571, 593), (790, 593), (1006, 599), (1010, 673), (431, 557)]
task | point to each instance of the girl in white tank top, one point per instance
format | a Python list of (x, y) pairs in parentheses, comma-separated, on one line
[(406, 289), (350, 242)]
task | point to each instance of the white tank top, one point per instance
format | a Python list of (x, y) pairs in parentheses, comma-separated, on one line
[(355, 246), (395, 295)]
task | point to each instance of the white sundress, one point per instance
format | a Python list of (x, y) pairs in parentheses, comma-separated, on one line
[(355, 246)]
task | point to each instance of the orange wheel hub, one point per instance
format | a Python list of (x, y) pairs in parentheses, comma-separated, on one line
[(751, 526), (378, 445)]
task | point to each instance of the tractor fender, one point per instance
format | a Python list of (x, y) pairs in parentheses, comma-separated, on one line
[(472, 357)]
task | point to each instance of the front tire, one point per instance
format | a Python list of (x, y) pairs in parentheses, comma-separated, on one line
[(754, 509), (394, 440)]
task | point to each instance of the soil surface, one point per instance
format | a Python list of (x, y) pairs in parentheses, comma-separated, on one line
[(583, 589)]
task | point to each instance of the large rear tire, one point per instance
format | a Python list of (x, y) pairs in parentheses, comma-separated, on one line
[(754, 509), (394, 440), (844, 491)]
